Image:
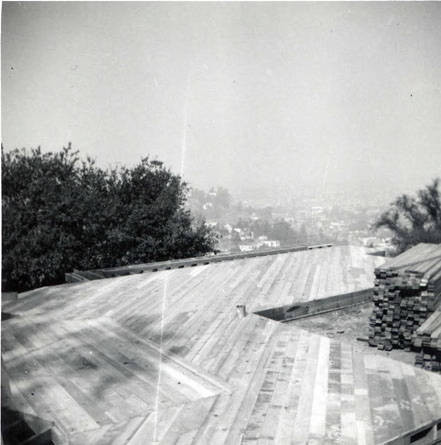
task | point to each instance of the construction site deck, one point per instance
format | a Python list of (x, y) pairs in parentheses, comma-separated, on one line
[(166, 357)]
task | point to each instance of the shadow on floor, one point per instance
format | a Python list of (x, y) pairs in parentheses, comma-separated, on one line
[(16, 430)]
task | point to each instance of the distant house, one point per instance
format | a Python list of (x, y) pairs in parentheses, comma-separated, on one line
[(316, 210), (247, 247), (228, 228), (271, 243), (246, 235), (337, 225), (254, 217), (370, 241)]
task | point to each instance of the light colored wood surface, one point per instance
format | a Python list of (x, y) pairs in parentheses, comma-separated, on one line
[(89, 356), (425, 258)]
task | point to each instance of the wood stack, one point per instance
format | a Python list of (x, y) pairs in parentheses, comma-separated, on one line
[(427, 341), (407, 305), (402, 300)]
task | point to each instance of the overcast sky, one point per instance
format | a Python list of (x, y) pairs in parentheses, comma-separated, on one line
[(251, 96)]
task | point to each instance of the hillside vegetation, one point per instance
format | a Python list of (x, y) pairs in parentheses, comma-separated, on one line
[(60, 212), (414, 219)]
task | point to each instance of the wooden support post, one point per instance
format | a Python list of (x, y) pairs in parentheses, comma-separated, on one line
[(241, 310)]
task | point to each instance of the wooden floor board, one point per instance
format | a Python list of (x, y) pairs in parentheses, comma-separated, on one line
[(303, 415)]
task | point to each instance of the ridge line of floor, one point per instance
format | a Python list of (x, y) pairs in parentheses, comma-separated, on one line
[(97, 274)]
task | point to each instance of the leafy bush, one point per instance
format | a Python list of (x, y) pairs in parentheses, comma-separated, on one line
[(414, 220), (61, 213)]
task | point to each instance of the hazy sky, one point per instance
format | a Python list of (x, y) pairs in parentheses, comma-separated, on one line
[(258, 96)]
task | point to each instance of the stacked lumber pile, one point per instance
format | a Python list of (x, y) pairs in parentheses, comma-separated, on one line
[(427, 341), (427, 338), (407, 291), (402, 302)]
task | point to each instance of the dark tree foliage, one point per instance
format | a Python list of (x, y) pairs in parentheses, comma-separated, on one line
[(61, 213), (414, 220)]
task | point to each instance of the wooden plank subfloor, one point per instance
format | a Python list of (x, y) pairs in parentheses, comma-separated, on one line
[(165, 358)]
